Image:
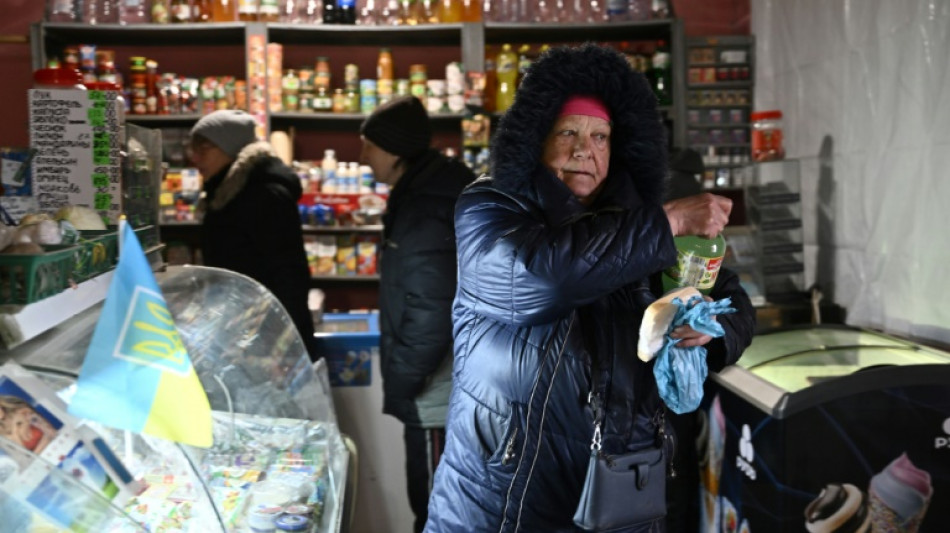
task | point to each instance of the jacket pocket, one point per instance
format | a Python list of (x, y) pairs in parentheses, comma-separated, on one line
[(504, 441)]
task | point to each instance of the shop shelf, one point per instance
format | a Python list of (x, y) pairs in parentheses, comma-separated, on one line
[(532, 32), (342, 34), (146, 34)]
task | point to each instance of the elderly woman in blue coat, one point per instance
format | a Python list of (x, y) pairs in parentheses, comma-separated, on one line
[(560, 252)]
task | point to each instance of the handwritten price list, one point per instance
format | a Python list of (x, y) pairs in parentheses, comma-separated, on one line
[(77, 137)]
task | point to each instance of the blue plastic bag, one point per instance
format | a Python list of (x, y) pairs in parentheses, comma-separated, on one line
[(680, 372)]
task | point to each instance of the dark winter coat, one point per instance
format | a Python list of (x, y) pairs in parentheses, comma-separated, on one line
[(417, 284), (252, 225), (548, 291)]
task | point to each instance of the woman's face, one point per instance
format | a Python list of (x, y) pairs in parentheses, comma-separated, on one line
[(577, 151)]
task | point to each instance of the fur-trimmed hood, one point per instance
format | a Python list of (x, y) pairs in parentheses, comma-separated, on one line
[(222, 189), (639, 139)]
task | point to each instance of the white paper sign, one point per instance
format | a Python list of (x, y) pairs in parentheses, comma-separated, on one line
[(76, 135)]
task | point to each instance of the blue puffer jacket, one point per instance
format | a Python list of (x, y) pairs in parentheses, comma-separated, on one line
[(548, 290)]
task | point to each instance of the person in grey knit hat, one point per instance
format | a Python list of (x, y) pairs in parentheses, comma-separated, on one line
[(250, 221), (417, 282)]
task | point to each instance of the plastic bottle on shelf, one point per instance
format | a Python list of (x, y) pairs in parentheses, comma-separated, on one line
[(224, 10), (450, 11), (89, 12), (331, 14), (384, 64), (347, 11), (367, 12), (471, 10), (61, 11), (247, 10), (618, 10), (367, 181), (506, 69), (179, 11), (132, 12), (353, 177), (660, 74), (491, 86), (329, 185), (268, 10), (697, 263), (159, 11)]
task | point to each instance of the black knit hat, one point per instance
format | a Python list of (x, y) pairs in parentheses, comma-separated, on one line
[(400, 127)]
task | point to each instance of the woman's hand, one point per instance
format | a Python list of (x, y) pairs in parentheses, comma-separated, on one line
[(702, 214), (690, 337)]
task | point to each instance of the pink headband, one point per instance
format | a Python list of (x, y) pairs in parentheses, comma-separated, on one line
[(590, 106)]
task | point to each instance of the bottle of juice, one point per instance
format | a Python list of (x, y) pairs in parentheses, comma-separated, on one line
[(506, 69), (384, 64), (491, 86), (224, 11), (697, 263)]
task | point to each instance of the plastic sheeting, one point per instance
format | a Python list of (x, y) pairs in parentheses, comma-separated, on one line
[(865, 90)]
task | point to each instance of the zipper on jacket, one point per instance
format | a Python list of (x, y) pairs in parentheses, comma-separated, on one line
[(510, 448), (659, 419)]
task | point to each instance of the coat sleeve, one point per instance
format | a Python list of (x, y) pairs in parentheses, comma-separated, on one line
[(516, 269), (739, 326)]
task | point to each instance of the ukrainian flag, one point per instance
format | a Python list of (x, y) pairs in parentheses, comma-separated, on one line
[(137, 375)]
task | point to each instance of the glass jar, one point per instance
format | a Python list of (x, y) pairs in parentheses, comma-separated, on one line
[(133, 12), (767, 136), (60, 11)]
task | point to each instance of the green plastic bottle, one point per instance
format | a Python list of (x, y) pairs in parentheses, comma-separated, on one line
[(697, 263)]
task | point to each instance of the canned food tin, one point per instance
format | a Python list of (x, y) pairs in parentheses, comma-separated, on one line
[(368, 87)]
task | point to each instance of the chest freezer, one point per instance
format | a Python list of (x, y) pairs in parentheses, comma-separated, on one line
[(827, 428)]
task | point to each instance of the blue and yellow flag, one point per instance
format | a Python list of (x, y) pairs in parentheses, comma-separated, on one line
[(137, 374)]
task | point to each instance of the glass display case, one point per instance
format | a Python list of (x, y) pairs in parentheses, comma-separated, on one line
[(278, 460), (827, 428)]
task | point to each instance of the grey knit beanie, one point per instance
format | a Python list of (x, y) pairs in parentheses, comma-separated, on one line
[(228, 129), (400, 127)]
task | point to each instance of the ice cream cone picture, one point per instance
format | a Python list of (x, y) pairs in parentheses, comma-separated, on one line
[(839, 508), (899, 497), (716, 447)]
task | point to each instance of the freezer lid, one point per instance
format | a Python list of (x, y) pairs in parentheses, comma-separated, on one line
[(790, 369)]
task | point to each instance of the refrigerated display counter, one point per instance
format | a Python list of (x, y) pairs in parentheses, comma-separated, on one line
[(827, 428), (277, 454)]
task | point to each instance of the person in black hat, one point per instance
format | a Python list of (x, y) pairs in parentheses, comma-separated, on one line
[(250, 221), (417, 281)]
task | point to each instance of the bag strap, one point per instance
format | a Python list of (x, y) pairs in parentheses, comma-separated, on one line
[(597, 398)]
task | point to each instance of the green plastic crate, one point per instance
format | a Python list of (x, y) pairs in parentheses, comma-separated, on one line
[(25, 279)]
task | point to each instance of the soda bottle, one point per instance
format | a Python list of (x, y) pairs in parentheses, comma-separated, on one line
[(660, 74), (506, 69), (697, 263)]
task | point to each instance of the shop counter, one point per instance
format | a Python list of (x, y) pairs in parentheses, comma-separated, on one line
[(278, 456)]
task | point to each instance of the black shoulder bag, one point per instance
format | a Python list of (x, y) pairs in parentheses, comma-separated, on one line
[(620, 491)]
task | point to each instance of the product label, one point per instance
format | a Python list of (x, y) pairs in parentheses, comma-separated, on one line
[(692, 270)]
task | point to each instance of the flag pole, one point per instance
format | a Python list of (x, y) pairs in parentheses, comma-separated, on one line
[(127, 433)]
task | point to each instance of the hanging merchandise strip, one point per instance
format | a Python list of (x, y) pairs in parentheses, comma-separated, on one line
[(77, 137)]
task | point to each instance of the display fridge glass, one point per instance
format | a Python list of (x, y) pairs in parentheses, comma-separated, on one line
[(277, 453), (798, 358)]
